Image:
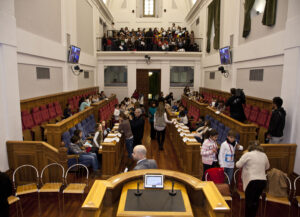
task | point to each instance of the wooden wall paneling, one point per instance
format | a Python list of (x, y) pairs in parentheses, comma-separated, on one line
[(247, 131), (62, 98), (38, 154), (254, 101)]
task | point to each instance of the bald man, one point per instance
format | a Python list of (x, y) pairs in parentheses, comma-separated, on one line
[(139, 154)]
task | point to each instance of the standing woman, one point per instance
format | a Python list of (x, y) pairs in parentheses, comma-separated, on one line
[(152, 111), (160, 123), (209, 152), (254, 164)]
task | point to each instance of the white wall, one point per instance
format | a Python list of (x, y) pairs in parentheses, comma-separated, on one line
[(10, 116), (38, 87), (159, 60), (37, 50), (246, 52), (266, 89), (125, 17)]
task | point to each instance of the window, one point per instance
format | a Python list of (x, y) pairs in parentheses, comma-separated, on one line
[(115, 76), (42, 73), (256, 75), (181, 76), (149, 6), (86, 74)]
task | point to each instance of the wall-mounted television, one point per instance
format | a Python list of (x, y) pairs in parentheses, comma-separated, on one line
[(225, 55), (74, 54)]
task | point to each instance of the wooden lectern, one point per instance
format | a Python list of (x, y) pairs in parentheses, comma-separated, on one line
[(107, 198)]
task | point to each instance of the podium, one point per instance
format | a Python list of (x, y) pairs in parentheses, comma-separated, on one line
[(154, 202), (115, 197)]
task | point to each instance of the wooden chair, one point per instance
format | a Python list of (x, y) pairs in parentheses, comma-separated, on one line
[(295, 196), (225, 193), (55, 181), (280, 200), (13, 199), (27, 188), (76, 187)]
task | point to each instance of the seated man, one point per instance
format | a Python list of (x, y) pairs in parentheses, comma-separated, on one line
[(139, 154)]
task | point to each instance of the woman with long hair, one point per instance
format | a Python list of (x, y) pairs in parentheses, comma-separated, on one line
[(254, 164), (160, 123)]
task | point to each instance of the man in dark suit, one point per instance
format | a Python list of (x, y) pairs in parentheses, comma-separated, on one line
[(137, 126), (139, 154)]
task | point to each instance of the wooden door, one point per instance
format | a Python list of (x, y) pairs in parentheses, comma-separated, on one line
[(142, 84)]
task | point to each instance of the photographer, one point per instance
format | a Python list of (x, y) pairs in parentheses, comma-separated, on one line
[(235, 102)]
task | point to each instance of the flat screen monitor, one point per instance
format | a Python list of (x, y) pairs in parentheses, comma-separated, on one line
[(153, 181), (74, 54), (225, 55)]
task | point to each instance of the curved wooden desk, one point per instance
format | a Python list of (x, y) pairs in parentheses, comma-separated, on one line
[(104, 196)]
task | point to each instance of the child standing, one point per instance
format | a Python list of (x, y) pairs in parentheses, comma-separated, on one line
[(209, 152), (226, 154)]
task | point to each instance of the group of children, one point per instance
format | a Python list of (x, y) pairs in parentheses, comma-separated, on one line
[(213, 156)]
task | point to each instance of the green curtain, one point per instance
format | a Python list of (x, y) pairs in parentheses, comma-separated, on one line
[(213, 16), (209, 25), (247, 18), (269, 17), (217, 4)]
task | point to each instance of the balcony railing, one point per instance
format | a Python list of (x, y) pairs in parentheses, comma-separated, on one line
[(163, 44)]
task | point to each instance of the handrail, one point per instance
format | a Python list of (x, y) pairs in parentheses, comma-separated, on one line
[(45, 144)]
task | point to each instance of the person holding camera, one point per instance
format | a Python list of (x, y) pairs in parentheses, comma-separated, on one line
[(235, 102)]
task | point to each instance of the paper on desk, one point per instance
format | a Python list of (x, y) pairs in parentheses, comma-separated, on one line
[(108, 140), (119, 134), (112, 135), (185, 139), (182, 134), (185, 127), (117, 139)]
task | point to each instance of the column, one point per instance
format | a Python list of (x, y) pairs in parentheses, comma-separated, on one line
[(10, 115), (290, 90), (165, 77), (131, 77)]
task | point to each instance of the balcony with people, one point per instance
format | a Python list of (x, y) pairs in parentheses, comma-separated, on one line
[(172, 39)]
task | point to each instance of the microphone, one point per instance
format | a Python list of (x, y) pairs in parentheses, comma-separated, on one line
[(172, 192), (138, 192)]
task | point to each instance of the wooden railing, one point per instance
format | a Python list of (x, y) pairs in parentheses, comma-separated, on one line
[(62, 98), (38, 154), (247, 131), (55, 131), (254, 101), (112, 155)]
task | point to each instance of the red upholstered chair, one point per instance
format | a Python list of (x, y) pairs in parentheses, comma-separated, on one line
[(247, 110), (58, 108), (221, 179), (268, 120), (254, 114), (29, 127), (27, 120), (52, 113), (262, 117), (37, 116), (45, 113)]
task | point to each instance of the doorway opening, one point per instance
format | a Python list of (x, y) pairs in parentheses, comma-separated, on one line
[(148, 83)]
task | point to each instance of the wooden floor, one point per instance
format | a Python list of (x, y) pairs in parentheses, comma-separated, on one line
[(52, 206)]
